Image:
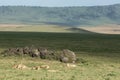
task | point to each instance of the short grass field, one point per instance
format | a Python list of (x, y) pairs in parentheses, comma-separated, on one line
[(98, 56)]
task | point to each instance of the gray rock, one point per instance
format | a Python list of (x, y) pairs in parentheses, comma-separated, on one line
[(68, 54), (43, 53), (35, 53), (26, 50), (19, 51), (65, 59)]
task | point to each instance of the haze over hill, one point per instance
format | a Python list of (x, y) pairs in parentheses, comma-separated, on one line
[(68, 16)]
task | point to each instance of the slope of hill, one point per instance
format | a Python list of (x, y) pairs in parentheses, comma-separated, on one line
[(70, 16), (104, 29)]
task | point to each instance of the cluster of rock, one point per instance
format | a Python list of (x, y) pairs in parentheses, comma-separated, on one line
[(65, 56)]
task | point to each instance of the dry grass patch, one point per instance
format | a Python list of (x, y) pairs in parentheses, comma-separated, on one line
[(33, 28), (104, 29)]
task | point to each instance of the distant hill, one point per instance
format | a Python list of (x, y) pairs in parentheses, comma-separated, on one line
[(70, 16)]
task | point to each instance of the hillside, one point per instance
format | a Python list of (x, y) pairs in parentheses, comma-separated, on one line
[(66, 16)]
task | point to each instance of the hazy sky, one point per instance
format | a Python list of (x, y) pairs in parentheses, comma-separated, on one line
[(53, 3)]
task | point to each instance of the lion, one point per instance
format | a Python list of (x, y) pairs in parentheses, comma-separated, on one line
[(40, 67), (36, 68), (20, 66), (44, 67), (71, 65)]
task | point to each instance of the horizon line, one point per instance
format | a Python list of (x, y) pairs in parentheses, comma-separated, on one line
[(58, 6)]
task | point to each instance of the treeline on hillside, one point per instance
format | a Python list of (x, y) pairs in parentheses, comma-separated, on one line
[(71, 16)]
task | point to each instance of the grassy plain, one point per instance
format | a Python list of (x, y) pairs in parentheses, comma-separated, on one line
[(99, 56), (93, 68), (34, 28)]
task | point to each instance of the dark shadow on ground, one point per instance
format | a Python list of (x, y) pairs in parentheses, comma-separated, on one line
[(79, 30)]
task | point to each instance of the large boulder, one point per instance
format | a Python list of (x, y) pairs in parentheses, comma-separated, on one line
[(67, 56), (43, 53), (47, 54), (26, 50), (13, 51), (35, 53), (18, 51), (7, 52)]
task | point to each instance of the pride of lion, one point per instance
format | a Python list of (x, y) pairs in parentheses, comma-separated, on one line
[(22, 67), (66, 56)]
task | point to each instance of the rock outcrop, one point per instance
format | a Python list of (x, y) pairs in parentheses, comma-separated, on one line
[(66, 56)]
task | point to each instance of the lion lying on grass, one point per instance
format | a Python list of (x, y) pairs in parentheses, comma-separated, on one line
[(20, 66), (40, 67)]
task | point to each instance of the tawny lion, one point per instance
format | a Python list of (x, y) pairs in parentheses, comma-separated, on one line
[(36, 68), (20, 66), (40, 67), (71, 65), (44, 67)]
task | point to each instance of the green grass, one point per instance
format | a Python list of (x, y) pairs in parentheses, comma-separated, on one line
[(77, 42), (93, 68), (99, 56)]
